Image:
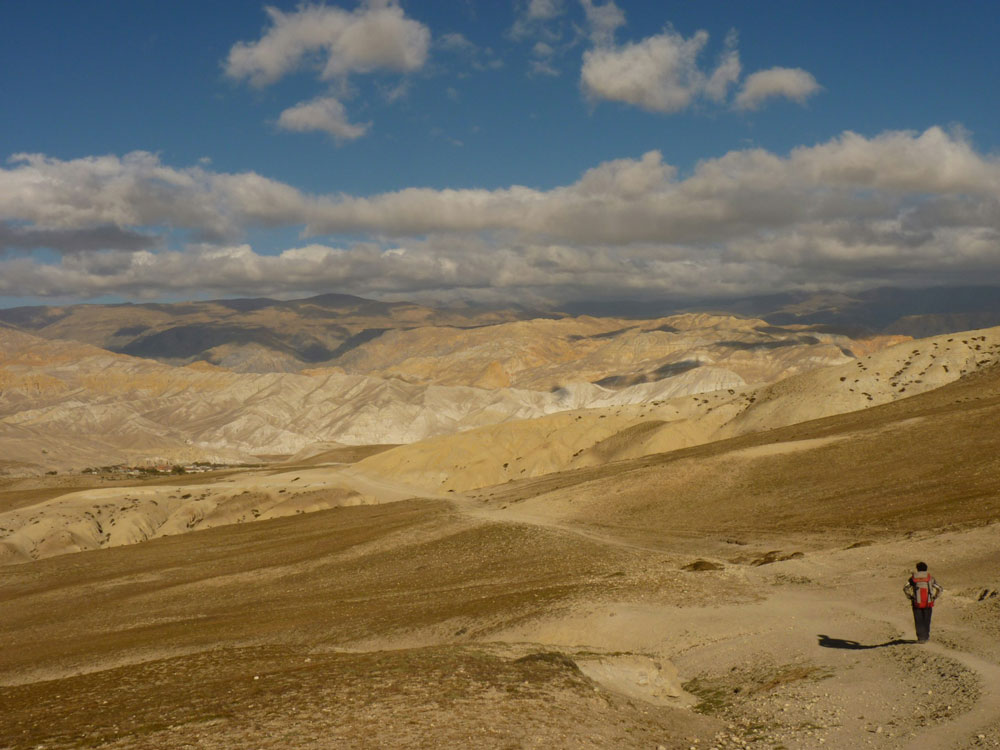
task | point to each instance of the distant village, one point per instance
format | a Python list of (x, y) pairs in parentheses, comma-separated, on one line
[(197, 467)]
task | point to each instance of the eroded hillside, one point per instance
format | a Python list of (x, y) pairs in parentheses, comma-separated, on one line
[(521, 449), (619, 428), (66, 405), (244, 335), (737, 594)]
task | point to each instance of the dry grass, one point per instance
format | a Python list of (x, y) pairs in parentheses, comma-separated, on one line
[(280, 698), (157, 644)]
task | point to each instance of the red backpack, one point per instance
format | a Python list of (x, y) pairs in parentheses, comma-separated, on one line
[(923, 594)]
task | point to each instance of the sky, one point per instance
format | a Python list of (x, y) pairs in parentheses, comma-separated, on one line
[(512, 151)]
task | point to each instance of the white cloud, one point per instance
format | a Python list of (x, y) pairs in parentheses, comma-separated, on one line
[(541, 49), (137, 190), (637, 199), (543, 68), (853, 210), (455, 42), (375, 36), (603, 21), (792, 83), (324, 114), (533, 17), (659, 73), (544, 10), (726, 73)]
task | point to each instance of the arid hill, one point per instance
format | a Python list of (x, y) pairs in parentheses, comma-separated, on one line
[(244, 335), (448, 346), (925, 462), (494, 456), (610, 352), (918, 313), (528, 448), (66, 404), (741, 593)]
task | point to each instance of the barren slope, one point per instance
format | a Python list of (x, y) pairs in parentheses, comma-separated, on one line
[(917, 464), (546, 354), (516, 450), (589, 612), (245, 335), (70, 405), (493, 455)]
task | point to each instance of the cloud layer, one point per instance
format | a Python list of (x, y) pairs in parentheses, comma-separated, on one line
[(901, 207)]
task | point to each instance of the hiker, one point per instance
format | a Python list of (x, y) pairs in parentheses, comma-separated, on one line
[(922, 590)]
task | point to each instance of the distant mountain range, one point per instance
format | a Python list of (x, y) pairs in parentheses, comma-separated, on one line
[(339, 330), (69, 404), (888, 310), (245, 335)]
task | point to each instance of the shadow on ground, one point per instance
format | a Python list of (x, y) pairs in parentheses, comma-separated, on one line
[(827, 642)]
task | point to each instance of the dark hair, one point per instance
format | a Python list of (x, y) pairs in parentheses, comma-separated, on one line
[(921, 566)]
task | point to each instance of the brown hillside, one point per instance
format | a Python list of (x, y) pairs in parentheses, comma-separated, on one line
[(920, 464)]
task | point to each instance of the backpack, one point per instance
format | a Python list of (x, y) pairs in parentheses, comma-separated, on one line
[(923, 591)]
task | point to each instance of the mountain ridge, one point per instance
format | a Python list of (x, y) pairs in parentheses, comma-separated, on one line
[(268, 335)]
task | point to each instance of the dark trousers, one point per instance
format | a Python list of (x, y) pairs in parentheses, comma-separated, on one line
[(922, 622)]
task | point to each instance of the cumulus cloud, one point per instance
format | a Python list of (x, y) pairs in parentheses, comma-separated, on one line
[(792, 83), (544, 10), (325, 114), (336, 43), (853, 210), (533, 16), (726, 73), (659, 73), (603, 20), (375, 36)]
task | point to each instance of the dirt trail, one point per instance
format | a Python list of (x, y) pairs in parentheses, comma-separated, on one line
[(879, 681), (789, 623), (964, 730), (388, 490), (516, 515)]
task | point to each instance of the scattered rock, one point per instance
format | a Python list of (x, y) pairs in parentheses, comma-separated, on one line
[(776, 556), (699, 565)]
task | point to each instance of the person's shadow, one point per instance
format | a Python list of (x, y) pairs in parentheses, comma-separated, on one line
[(827, 642)]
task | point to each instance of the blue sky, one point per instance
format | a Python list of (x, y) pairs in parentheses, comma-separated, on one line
[(532, 151)]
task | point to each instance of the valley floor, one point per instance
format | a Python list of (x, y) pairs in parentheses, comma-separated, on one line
[(459, 622)]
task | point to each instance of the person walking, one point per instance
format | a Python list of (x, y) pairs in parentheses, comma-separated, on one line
[(922, 591)]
